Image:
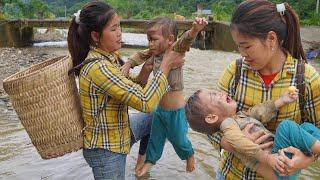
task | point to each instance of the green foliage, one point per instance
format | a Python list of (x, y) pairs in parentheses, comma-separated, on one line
[(143, 9), (313, 19), (25, 9), (222, 10)]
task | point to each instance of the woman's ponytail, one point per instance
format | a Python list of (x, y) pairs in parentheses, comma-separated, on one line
[(292, 42), (78, 46), (258, 17), (94, 16)]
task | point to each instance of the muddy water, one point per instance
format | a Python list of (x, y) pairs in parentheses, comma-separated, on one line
[(20, 160)]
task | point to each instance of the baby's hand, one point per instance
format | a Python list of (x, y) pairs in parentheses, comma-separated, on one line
[(197, 25), (125, 69), (290, 96)]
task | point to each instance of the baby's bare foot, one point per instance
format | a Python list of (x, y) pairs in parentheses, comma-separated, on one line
[(140, 163), (190, 164), (146, 167)]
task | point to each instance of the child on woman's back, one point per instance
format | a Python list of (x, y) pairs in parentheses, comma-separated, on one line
[(211, 111), (169, 119)]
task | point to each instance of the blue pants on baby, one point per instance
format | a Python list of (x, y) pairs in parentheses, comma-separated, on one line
[(302, 136), (171, 125)]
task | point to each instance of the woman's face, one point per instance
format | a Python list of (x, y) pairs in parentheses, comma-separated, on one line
[(110, 39), (257, 52)]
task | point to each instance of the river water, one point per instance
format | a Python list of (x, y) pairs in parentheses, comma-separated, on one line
[(20, 160)]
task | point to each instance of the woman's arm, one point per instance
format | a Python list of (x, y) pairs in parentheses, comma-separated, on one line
[(144, 74), (299, 161), (109, 80), (136, 59), (312, 110)]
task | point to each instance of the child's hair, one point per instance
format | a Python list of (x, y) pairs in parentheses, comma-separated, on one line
[(167, 25), (196, 114), (94, 16), (257, 17)]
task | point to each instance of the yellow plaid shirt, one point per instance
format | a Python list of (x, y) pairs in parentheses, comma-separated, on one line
[(105, 95), (251, 91)]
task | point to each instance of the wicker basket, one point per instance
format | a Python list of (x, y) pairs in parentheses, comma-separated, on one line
[(47, 103)]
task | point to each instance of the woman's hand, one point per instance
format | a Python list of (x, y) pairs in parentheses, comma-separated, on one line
[(145, 72), (258, 137), (125, 69), (299, 161), (272, 161), (171, 60)]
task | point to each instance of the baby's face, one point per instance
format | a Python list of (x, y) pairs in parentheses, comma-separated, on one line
[(218, 102), (157, 42)]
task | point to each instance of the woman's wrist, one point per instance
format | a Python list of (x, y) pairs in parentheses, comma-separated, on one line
[(165, 67)]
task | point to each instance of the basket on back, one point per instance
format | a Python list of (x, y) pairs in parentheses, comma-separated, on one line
[(47, 103)]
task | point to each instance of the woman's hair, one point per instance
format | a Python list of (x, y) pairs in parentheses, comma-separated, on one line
[(167, 25), (258, 17), (196, 113), (94, 16)]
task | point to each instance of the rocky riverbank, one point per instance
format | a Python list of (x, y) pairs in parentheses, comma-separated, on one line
[(16, 59), (19, 158)]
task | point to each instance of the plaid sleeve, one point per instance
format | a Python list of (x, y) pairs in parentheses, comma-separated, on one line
[(139, 57), (226, 80), (312, 94), (183, 44), (109, 80), (134, 78), (215, 140)]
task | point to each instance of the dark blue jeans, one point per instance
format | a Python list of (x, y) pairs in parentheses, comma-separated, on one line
[(109, 165)]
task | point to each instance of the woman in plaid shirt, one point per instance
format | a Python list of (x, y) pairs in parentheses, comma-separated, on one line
[(93, 40), (268, 37)]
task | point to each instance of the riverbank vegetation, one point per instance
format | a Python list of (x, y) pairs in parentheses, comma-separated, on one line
[(144, 9)]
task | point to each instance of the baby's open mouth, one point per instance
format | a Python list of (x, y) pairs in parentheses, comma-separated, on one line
[(228, 99)]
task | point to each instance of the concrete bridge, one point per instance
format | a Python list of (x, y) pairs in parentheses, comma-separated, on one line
[(19, 33)]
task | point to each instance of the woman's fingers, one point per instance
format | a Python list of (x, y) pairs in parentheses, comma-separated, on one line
[(262, 138), (248, 127), (280, 166), (267, 145), (257, 135), (287, 165)]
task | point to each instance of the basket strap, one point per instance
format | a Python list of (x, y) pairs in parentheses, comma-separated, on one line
[(301, 86), (237, 76), (79, 66)]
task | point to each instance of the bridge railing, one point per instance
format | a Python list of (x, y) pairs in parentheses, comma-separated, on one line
[(130, 23), (19, 32)]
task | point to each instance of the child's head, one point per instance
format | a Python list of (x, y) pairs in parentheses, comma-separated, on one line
[(162, 33), (206, 109), (96, 25), (260, 29)]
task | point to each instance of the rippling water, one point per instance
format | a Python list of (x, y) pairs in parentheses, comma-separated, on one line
[(20, 160)]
